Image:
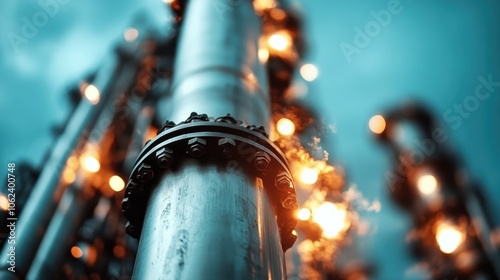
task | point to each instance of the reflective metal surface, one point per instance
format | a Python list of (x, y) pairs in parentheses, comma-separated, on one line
[(217, 71), (206, 222)]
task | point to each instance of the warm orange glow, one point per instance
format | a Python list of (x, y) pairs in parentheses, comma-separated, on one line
[(119, 251), (304, 214), (91, 255), (92, 94), (90, 163), (330, 218), (449, 237), (278, 14), (495, 237), (280, 41), (4, 202), (285, 127), (309, 72), (76, 252), (150, 134), (427, 184), (68, 175), (168, 1), (309, 176), (377, 124), (261, 5), (305, 247), (130, 34), (116, 183), (263, 55), (72, 162)]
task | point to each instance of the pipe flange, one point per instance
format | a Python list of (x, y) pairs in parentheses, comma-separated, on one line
[(224, 141)]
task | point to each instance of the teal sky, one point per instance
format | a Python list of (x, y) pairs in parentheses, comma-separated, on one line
[(430, 50)]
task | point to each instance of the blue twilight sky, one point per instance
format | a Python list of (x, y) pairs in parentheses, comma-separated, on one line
[(432, 50)]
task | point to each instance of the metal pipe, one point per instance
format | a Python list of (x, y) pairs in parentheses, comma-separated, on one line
[(45, 195), (217, 70), (203, 221), (61, 232), (207, 223), (483, 227), (77, 199)]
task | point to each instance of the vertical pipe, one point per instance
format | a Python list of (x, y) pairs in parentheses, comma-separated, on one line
[(207, 222), (61, 230), (217, 70), (43, 200), (61, 233)]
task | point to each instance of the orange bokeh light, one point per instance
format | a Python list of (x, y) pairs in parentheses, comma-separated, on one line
[(449, 237), (377, 124), (116, 183), (92, 94), (285, 127), (76, 252), (4, 202), (309, 176)]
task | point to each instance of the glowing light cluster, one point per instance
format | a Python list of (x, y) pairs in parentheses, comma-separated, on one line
[(427, 184), (278, 14), (4, 202), (68, 175), (263, 55), (116, 183), (261, 5), (330, 218), (323, 224), (449, 237), (90, 163), (309, 176), (92, 94), (76, 252), (309, 72), (377, 124), (304, 214), (280, 41), (285, 127), (130, 34)]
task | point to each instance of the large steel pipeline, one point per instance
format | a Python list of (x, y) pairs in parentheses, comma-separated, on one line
[(206, 223), (217, 70), (205, 220)]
